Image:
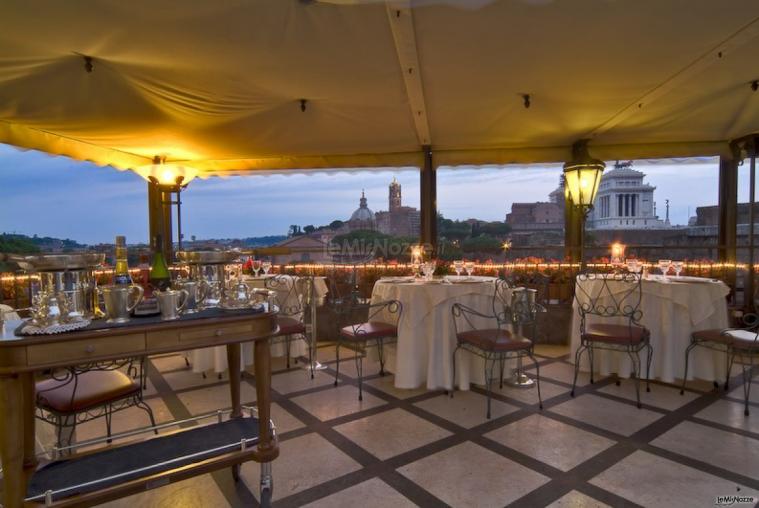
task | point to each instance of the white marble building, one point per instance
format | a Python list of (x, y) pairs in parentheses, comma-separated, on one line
[(624, 201)]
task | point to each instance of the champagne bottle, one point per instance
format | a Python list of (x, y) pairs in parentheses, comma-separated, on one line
[(160, 278), (121, 272)]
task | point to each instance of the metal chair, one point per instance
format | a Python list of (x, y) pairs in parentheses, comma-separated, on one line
[(369, 322), (381, 325), (497, 343), (740, 342), (76, 395), (291, 295), (612, 297)]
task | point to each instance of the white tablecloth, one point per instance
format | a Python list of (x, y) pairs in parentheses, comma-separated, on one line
[(426, 334), (672, 311), (215, 358)]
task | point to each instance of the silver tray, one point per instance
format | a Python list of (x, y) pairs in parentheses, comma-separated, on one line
[(208, 257), (57, 262)]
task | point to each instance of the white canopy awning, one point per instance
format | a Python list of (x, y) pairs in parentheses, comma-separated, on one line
[(218, 85)]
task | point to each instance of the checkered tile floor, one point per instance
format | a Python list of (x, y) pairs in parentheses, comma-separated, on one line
[(412, 447)]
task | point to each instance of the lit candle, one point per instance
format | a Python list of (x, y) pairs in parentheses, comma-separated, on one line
[(617, 252)]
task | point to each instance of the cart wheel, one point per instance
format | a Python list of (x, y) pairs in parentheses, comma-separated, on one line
[(267, 484), (236, 473), (266, 498)]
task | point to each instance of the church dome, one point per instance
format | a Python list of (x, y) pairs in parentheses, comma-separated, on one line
[(363, 216)]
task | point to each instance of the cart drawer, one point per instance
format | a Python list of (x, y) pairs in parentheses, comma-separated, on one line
[(83, 350), (219, 333)]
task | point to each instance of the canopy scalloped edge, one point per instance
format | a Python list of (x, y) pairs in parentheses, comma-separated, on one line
[(29, 138), (54, 144)]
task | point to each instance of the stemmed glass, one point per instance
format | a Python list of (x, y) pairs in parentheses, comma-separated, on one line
[(428, 269), (633, 266), (469, 267), (664, 265), (266, 265), (256, 266), (678, 267), (458, 265)]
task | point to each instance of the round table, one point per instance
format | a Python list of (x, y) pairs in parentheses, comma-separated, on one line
[(215, 358), (673, 308), (426, 334)]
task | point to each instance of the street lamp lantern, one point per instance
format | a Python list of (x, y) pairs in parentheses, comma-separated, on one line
[(582, 177), (168, 175), (165, 184)]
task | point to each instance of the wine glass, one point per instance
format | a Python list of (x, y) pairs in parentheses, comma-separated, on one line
[(428, 269), (633, 266), (266, 265), (458, 265), (678, 267), (469, 267), (664, 265), (256, 266)]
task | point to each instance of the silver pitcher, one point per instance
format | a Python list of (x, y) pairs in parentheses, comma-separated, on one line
[(116, 298), (195, 294), (171, 303)]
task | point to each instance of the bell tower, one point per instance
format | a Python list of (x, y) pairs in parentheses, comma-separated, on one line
[(394, 196)]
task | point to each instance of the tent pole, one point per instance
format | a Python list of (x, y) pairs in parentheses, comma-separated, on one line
[(428, 203), (748, 296), (728, 213), (159, 219)]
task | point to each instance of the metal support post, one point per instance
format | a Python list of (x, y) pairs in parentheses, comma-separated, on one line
[(428, 202)]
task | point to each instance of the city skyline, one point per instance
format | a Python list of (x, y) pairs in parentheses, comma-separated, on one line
[(66, 196)]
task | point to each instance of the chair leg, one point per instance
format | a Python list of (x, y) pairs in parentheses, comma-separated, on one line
[(145, 407), (311, 349), (453, 370), (590, 356), (635, 361), (685, 374), (360, 372), (337, 362), (489, 381), (731, 359), (537, 378), (287, 352), (649, 357), (502, 366), (747, 377), (108, 415), (65, 431), (186, 361), (381, 354), (578, 356)]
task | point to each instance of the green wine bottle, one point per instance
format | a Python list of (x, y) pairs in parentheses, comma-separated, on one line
[(160, 278)]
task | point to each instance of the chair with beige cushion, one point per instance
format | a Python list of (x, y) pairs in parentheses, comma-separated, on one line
[(610, 315), (734, 342), (80, 394)]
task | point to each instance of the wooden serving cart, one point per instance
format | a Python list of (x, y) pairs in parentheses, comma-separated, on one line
[(112, 472)]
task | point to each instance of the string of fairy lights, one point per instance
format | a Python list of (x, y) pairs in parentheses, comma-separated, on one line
[(486, 267)]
